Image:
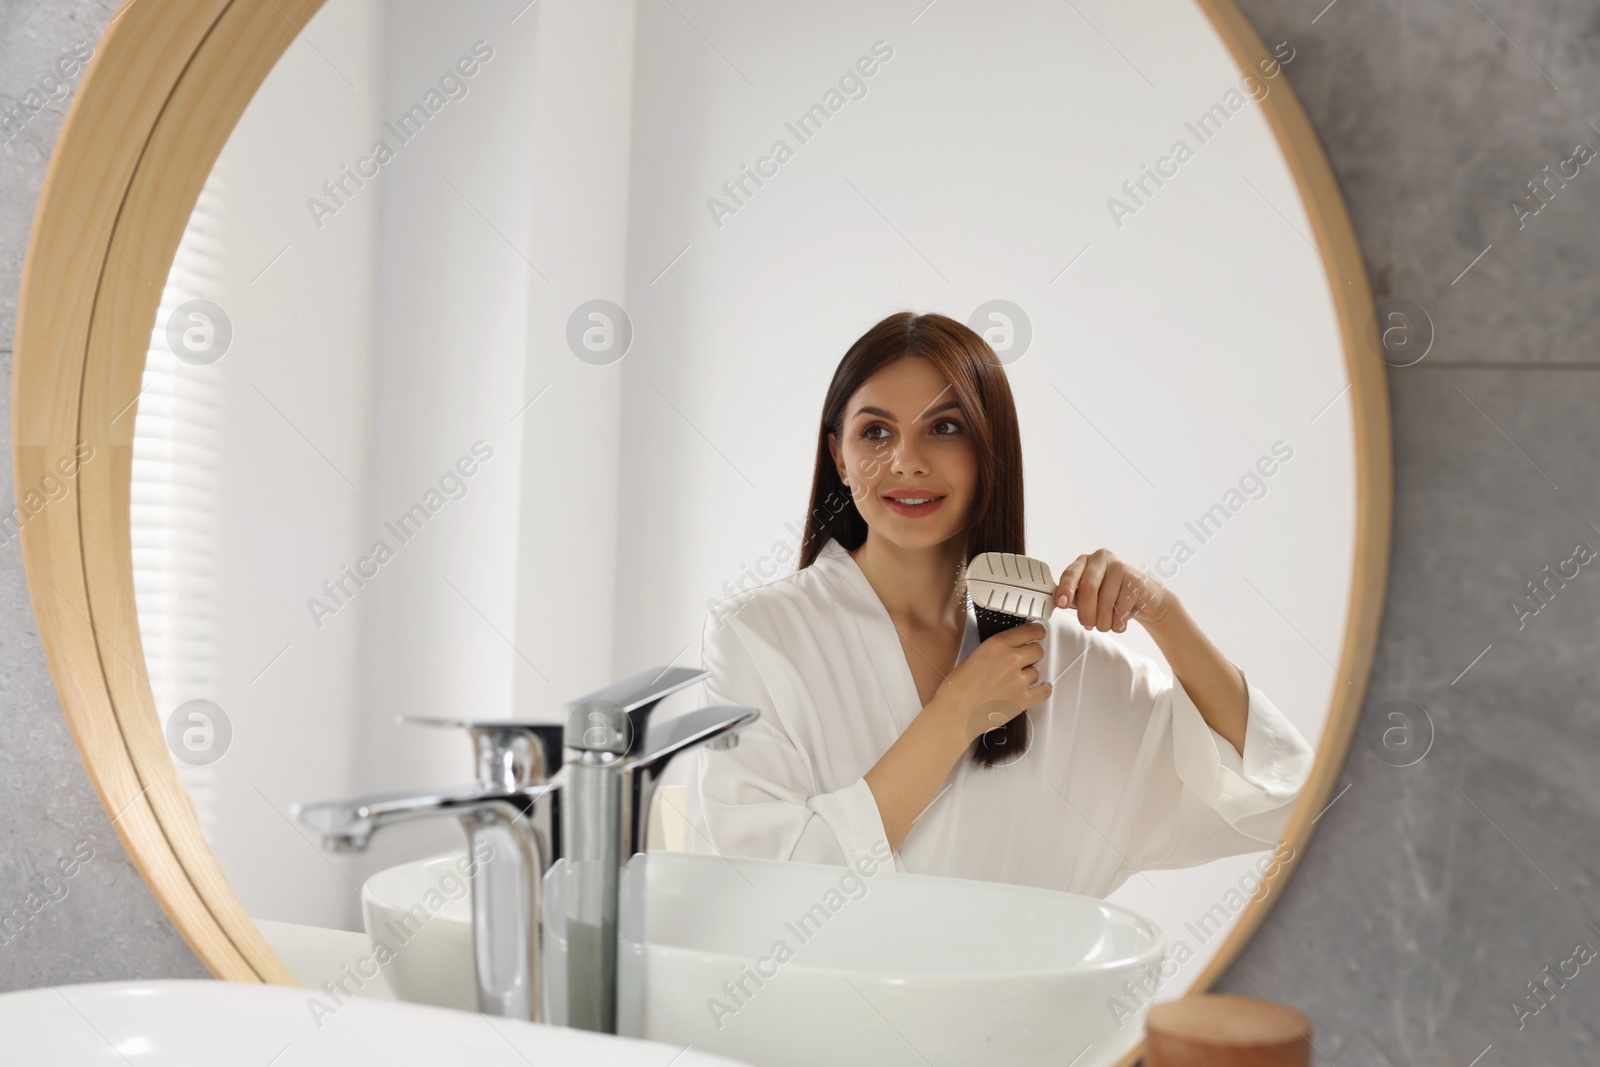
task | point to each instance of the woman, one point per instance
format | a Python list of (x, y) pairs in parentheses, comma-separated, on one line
[(1048, 754)]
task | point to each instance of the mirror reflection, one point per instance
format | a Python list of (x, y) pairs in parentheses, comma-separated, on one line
[(512, 351)]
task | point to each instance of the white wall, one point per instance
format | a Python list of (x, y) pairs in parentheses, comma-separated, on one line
[(294, 461), (393, 337), (450, 335), (566, 580)]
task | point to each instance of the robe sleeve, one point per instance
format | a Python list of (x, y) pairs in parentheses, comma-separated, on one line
[(1189, 796), (760, 798)]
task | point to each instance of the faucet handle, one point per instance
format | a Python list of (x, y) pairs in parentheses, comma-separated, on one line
[(615, 719), (598, 726), (508, 753)]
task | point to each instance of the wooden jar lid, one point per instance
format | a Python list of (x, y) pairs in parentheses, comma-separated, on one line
[(1221, 1030)]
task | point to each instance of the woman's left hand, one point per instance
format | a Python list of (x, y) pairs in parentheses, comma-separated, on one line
[(1107, 593)]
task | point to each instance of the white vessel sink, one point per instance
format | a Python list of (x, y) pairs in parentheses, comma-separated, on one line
[(905, 969), (433, 948), (204, 1024)]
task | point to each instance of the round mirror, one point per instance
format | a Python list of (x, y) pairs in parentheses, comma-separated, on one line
[(491, 360)]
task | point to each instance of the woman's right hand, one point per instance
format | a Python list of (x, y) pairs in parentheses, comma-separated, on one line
[(997, 682)]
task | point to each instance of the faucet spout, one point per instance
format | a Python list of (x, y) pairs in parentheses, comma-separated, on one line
[(348, 825), (715, 728), (508, 838)]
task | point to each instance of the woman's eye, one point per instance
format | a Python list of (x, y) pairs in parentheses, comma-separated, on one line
[(875, 433), (946, 426)]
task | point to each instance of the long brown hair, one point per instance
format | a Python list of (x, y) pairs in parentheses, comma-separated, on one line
[(978, 381)]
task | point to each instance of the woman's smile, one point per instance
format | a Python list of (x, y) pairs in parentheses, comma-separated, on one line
[(913, 503)]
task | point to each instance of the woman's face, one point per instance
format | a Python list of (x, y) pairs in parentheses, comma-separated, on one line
[(906, 454)]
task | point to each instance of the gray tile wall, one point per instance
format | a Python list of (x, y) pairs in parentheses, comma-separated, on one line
[(107, 925), (1432, 893)]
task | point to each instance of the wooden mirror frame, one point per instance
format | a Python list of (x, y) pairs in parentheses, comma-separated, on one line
[(169, 81)]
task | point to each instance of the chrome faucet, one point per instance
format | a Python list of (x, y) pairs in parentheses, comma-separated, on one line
[(513, 809), (562, 824), (615, 759)]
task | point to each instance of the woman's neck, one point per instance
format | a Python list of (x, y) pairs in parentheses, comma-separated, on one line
[(918, 586)]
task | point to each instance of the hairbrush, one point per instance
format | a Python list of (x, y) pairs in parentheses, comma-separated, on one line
[(1008, 590)]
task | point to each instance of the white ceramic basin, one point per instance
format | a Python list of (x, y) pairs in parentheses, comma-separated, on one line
[(893, 968), (432, 946), (204, 1024)]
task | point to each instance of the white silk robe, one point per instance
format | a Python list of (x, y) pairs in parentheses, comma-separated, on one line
[(1122, 774)]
